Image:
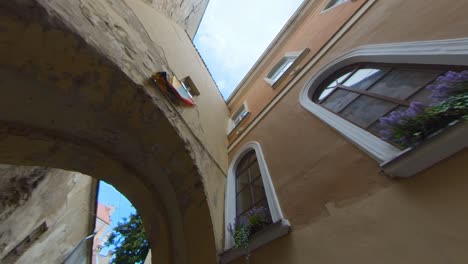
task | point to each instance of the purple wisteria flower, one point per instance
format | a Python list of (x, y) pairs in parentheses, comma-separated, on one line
[(399, 118), (447, 85)]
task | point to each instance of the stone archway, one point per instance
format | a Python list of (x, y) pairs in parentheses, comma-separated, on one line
[(65, 105)]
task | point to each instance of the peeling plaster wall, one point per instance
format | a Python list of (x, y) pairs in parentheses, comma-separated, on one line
[(64, 200)]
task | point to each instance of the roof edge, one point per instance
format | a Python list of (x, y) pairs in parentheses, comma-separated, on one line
[(279, 39)]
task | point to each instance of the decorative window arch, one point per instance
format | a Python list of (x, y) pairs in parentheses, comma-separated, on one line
[(250, 154), (452, 53)]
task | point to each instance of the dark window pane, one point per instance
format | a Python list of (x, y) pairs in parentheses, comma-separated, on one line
[(338, 100), (254, 171), (366, 110), (244, 163), (402, 83), (423, 96), (258, 190), (363, 78), (244, 201), (242, 180)]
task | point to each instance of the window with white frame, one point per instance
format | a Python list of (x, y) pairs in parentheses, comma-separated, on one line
[(284, 66), (249, 186), (367, 93), (240, 114), (333, 3), (358, 90), (250, 192)]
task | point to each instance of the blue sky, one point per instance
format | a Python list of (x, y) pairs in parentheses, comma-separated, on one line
[(233, 35), (108, 195)]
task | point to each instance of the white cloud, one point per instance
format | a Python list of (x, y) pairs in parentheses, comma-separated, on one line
[(233, 34)]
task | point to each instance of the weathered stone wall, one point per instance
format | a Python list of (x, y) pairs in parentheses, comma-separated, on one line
[(63, 200), (187, 13), (77, 97)]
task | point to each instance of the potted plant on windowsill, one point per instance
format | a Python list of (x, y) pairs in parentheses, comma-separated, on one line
[(417, 123), (246, 226)]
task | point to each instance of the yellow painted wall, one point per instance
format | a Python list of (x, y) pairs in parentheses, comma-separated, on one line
[(313, 31), (341, 207)]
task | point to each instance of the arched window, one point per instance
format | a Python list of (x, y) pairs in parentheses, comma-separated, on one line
[(354, 91), (250, 192), (364, 93), (249, 186)]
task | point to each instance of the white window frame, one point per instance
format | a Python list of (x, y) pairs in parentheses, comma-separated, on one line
[(240, 114), (230, 208), (332, 4), (293, 57), (440, 52)]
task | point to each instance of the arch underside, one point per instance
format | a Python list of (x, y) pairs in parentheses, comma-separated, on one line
[(65, 105)]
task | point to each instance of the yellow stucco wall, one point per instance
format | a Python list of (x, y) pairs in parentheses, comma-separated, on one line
[(341, 207)]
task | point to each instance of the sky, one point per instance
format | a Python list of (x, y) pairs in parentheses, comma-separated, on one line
[(233, 35), (108, 195)]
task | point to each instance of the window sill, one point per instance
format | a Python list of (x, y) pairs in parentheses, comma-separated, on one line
[(438, 147), (270, 233), (237, 129)]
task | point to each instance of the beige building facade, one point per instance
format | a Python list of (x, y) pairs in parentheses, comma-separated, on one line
[(78, 96), (347, 198)]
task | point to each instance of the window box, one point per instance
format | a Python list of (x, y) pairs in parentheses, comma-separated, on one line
[(263, 237), (434, 149)]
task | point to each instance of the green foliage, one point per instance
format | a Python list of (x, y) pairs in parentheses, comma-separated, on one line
[(129, 240), (254, 221), (412, 130), (241, 236)]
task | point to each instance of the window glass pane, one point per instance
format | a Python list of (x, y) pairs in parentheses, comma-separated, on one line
[(342, 78), (330, 88), (377, 127), (254, 170), (282, 68), (243, 201), (244, 162), (334, 3), (338, 100), (242, 180), (258, 190), (366, 110), (363, 78), (326, 92), (401, 83), (423, 96)]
